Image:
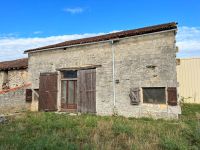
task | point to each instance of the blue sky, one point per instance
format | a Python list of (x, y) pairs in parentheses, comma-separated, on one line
[(27, 24)]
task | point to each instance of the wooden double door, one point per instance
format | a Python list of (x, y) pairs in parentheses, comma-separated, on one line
[(85, 91)]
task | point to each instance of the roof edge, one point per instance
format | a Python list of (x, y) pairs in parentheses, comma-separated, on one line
[(110, 36), (17, 64)]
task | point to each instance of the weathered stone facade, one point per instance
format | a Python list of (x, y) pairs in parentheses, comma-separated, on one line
[(13, 82), (13, 78), (14, 101), (132, 55), (17, 77), (3, 78)]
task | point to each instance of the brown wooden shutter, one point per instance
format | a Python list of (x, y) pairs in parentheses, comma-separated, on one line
[(87, 91), (172, 96), (135, 96), (28, 95), (48, 92)]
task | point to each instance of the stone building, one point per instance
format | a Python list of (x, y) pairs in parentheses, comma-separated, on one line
[(13, 84), (130, 73)]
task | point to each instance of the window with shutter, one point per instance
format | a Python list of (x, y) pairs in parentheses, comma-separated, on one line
[(172, 96), (28, 95), (154, 95)]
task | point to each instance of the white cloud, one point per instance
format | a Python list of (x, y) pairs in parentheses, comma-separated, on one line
[(188, 41), (76, 10), (13, 48)]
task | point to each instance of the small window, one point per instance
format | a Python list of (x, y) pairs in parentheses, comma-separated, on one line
[(28, 95), (69, 74), (154, 95)]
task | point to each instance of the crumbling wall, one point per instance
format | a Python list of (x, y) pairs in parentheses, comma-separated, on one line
[(17, 77), (12, 90), (3, 79), (34, 104), (13, 78), (13, 100)]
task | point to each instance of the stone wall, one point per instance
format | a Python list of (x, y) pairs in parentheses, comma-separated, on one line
[(132, 56), (1, 79), (13, 100), (15, 78)]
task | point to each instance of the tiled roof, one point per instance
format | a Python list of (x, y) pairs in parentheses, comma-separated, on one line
[(116, 35), (14, 64)]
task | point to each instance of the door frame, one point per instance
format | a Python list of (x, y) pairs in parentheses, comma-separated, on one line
[(59, 101)]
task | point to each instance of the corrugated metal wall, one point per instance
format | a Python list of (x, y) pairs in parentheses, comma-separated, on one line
[(188, 76)]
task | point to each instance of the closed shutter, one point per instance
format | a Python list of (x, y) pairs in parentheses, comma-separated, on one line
[(48, 92), (134, 96), (87, 91), (28, 95), (172, 96)]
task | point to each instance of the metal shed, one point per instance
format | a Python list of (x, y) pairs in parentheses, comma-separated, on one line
[(188, 76)]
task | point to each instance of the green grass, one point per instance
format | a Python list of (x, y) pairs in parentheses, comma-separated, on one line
[(61, 131)]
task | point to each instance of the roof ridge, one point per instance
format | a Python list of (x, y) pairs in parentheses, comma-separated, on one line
[(109, 36)]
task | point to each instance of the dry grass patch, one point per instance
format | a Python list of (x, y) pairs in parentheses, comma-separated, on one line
[(61, 131)]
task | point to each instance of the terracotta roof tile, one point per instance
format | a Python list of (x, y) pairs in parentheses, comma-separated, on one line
[(122, 34), (14, 64)]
